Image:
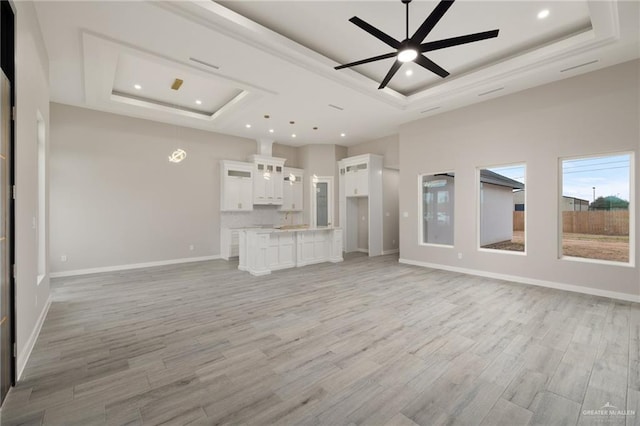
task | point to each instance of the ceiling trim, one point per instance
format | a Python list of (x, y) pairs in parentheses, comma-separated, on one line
[(605, 30), (100, 60)]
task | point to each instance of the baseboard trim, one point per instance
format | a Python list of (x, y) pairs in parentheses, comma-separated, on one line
[(362, 250), (131, 266), (529, 281), (392, 251), (23, 358)]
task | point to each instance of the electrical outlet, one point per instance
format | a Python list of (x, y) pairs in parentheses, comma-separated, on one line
[(393, 242), (191, 247), (459, 255), (63, 258), (387, 214), (405, 214)]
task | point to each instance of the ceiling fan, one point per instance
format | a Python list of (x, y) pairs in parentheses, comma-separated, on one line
[(411, 49)]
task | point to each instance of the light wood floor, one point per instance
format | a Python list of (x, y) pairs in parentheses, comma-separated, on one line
[(367, 341)]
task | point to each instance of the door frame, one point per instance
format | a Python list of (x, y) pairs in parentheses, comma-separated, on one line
[(313, 220), (8, 17)]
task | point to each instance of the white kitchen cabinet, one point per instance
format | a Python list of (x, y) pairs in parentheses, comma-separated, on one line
[(361, 185), (292, 189), (236, 192), (267, 180), (229, 243), (356, 179)]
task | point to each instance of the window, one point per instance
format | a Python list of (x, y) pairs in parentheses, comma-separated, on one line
[(437, 194), (502, 208), (596, 206)]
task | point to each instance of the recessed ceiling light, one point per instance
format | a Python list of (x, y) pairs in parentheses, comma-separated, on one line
[(543, 13), (271, 130), (292, 122), (342, 135), (293, 135), (408, 73), (198, 101), (315, 128), (137, 86), (267, 116), (248, 126)]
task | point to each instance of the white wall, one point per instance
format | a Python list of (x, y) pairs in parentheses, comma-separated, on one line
[(594, 113), (496, 214), (32, 97), (117, 200)]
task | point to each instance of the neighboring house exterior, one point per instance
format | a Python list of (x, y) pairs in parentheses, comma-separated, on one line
[(572, 204), (518, 200), (569, 204), (496, 207)]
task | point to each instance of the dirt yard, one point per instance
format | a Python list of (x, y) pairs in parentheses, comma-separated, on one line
[(602, 247)]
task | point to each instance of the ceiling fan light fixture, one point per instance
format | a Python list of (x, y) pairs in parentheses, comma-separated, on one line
[(407, 55)]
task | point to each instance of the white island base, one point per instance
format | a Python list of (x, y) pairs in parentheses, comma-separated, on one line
[(265, 250)]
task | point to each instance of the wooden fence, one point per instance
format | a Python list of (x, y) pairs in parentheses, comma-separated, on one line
[(598, 222), (518, 221)]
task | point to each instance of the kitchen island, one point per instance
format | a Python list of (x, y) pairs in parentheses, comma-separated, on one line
[(264, 250)]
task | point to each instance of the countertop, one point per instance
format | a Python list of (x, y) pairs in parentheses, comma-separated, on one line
[(272, 230)]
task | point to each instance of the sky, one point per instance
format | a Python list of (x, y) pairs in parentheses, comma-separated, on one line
[(609, 174)]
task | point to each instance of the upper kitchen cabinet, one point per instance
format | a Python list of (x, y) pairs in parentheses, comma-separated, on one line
[(292, 189), (356, 179), (236, 192), (268, 175)]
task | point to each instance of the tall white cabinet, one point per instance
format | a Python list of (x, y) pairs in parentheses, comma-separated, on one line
[(361, 206), (236, 192)]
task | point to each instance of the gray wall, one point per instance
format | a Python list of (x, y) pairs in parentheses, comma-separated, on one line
[(32, 96), (117, 200), (321, 161), (386, 146), (593, 113)]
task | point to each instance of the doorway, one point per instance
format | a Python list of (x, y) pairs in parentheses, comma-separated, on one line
[(7, 102), (321, 201)]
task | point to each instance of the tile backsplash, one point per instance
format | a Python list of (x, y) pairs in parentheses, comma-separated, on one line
[(261, 215)]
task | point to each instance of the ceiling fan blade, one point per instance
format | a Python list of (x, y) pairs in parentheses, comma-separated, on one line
[(394, 69), (427, 63), (456, 41), (366, 61), (431, 21), (385, 38)]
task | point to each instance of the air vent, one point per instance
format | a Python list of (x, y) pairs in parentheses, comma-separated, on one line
[(430, 109), (578, 66), (336, 107), (206, 64), (491, 91)]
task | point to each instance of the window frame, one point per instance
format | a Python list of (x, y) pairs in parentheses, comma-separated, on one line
[(632, 209), (421, 212), (479, 210)]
